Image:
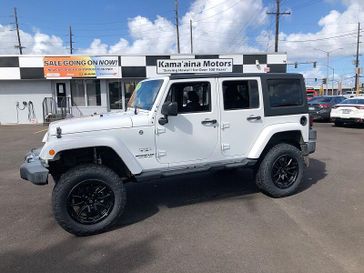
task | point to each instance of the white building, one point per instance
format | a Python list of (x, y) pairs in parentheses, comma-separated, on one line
[(37, 89)]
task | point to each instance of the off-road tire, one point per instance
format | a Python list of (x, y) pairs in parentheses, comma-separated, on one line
[(264, 179), (73, 177)]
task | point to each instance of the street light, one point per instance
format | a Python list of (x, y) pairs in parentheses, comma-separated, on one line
[(328, 66)]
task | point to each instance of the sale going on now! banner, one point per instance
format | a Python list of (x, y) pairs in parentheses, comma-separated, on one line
[(81, 67)]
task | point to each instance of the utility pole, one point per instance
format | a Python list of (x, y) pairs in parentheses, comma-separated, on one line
[(277, 13), (177, 28), (191, 36), (17, 33), (357, 69), (71, 42)]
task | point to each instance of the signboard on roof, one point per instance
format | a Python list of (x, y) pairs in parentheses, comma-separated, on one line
[(81, 67), (175, 66)]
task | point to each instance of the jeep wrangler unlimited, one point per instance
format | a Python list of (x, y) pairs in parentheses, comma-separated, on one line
[(175, 125)]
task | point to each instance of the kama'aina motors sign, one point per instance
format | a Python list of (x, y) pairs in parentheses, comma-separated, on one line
[(194, 66)]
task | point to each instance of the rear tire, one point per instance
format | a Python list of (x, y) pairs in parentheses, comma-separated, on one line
[(281, 170), (88, 199)]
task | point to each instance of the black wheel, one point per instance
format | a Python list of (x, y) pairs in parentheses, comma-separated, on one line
[(88, 199), (338, 123), (281, 170)]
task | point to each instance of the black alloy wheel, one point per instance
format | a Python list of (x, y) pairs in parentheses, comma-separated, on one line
[(281, 170), (90, 201), (284, 171)]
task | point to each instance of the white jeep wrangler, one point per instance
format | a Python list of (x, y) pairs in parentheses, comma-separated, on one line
[(175, 125)]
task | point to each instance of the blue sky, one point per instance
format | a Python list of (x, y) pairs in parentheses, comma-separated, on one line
[(231, 26)]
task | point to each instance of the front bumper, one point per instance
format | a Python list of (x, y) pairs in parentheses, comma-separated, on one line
[(33, 170)]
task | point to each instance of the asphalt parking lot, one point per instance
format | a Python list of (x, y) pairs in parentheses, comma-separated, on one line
[(215, 222)]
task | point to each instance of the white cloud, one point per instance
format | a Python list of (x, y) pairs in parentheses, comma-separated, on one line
[(343, 25), (218, 26), (37, 43)]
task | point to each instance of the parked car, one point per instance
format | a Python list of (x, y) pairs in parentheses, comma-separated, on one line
[(352, 93), (319, 107), (228, 120), (348, 111)]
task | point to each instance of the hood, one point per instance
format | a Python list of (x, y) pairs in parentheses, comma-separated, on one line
[(92, 123)]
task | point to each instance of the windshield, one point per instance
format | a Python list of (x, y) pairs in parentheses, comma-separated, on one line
[(353, 101), (320, 99), (144, 94)]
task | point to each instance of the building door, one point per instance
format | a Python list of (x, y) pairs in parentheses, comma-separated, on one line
[(61, 94), (192, 135)]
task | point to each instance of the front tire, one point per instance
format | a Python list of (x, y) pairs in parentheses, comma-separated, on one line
[(281, 170), (88, 199)]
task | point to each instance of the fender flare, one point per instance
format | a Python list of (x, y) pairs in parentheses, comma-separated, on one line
[(113, 143), (267, 134)]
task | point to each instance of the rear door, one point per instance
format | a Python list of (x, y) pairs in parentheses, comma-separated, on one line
[(242, 114)]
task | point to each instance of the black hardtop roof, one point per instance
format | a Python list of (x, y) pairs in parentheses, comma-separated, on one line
[(231, 75)]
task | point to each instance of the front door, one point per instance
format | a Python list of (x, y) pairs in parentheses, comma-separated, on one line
[(242, 115), (192, 135), (61, 94)]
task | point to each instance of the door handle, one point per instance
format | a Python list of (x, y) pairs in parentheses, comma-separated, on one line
[(250, 118), (209, 121)]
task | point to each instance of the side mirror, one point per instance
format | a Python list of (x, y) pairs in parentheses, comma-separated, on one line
[(169, 109)]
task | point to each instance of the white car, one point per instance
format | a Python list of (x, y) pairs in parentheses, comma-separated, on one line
[(175, 125), (348, 111)]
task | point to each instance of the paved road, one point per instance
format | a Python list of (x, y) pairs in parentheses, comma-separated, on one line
[(204, 223)]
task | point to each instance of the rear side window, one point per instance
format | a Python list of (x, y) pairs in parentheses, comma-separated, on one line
[(242, 94), (285, 92)]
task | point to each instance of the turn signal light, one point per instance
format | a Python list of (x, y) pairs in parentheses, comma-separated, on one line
[(52, 152)]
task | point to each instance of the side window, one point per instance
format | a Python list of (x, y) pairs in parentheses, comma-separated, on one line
[(242, 94), (191, 97), (285, 92), (340, 99)]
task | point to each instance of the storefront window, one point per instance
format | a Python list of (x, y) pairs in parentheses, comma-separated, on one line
[(93, 92), (78, 93), (86, 92), (115, 95), (129, 89)]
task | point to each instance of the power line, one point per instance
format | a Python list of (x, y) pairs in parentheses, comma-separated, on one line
[(320, 39), (277, 13), (221, 11)]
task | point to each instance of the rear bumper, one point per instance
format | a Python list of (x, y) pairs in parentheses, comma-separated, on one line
[(320, 115), (347, 120), (310, 146), (33, 170)]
